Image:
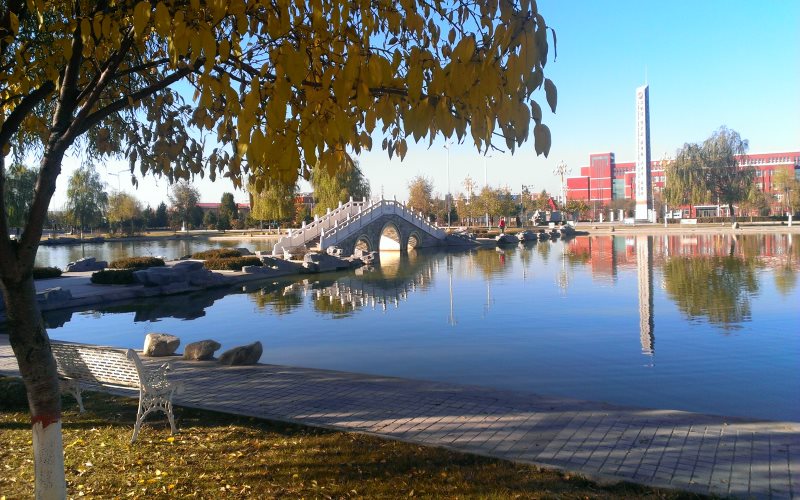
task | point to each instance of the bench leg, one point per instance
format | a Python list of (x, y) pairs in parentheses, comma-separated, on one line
[(148, 404), (74, 388)]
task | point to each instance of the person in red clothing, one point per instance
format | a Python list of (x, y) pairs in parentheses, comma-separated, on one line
[(502, 225)]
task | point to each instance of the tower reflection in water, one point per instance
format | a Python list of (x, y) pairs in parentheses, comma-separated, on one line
[(709, 277)]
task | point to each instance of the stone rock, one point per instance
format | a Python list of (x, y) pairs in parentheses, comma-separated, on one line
[(244, 251), (277, 264), (506, 239), (309, 268), (158, 276), (242, 355), (370, 257), (52, 297), (527, 235), (324, 262), (201, 351), (206, 279), (188, 266), (160, 344), (187, 273), (86, 264)]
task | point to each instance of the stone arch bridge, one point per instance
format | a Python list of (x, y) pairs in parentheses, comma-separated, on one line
[(358, 225)]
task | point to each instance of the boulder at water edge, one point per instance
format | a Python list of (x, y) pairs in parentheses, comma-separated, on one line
[(86, 264), (242, 355), (201, 351), (323, 262), (160, 344)]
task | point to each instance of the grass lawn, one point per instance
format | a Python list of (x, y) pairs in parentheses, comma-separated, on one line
[(222, 456)]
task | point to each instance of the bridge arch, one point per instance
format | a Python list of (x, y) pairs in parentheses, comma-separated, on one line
[(363, 243), (414, 240), (391, 238)]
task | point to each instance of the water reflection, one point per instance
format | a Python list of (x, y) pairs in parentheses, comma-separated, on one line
[(182, 306), (277, 297), (718, 288), (644, 272), (340, 295)]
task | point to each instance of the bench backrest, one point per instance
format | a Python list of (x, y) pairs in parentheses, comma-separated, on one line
[(95, 364)]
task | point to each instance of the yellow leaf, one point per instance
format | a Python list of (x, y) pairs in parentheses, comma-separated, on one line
[(14, 20), (541, 136), (162, 19), (141, 15), (536, 112), (551, 93), (224, 50), (86, 31)]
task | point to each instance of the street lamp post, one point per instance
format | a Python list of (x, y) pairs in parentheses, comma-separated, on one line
[(561, 170), (485, 184), (119, 186), (447, 147)]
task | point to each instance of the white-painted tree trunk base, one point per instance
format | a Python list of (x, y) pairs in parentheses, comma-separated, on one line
[(48, 460)]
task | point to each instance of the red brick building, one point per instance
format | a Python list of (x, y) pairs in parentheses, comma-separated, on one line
[(604, 180)]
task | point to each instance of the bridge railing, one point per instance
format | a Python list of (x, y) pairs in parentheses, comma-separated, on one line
[(308, 232), (351, 225)]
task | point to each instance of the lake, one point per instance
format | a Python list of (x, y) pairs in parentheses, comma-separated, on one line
[(706, 323), (61, 255)]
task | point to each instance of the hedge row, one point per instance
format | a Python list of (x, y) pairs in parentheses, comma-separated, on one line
[(43, 273), (114, 277), (231, 263), (217, 253), (136, 263)]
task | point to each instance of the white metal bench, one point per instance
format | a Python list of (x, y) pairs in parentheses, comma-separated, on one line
[(116, 368)]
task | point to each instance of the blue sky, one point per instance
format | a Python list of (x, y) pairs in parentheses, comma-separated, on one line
[(708, 63)]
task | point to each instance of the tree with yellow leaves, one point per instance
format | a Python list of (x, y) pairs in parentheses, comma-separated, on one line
[(265, 89)]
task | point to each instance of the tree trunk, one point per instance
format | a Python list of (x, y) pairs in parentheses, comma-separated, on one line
[(31, 347)]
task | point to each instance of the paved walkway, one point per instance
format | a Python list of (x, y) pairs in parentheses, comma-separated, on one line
[(687, 451)]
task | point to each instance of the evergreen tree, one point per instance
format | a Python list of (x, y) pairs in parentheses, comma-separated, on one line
[(161, 219)]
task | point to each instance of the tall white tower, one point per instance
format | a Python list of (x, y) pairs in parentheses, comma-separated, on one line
[(644, 202)]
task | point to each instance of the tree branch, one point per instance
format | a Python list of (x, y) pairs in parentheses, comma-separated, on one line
[(118, 105), (105, 78), (14, 120)]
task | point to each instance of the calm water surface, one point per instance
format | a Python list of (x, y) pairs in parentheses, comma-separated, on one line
[(61, 255), (706, 323)]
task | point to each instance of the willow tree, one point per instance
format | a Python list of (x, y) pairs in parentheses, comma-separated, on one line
[(19, 187), (337, 185), (712, 172), (275, 201), (236, 88), (87, 199)]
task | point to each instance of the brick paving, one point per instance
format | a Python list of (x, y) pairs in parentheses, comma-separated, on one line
[(665, 448)]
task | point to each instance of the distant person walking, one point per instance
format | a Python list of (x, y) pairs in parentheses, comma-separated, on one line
[(502, 225)]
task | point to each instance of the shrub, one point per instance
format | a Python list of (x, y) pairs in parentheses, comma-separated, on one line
[(114, 277), (136, 263), (217, 253), (12, 394), (43, 273), (231, 263)]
